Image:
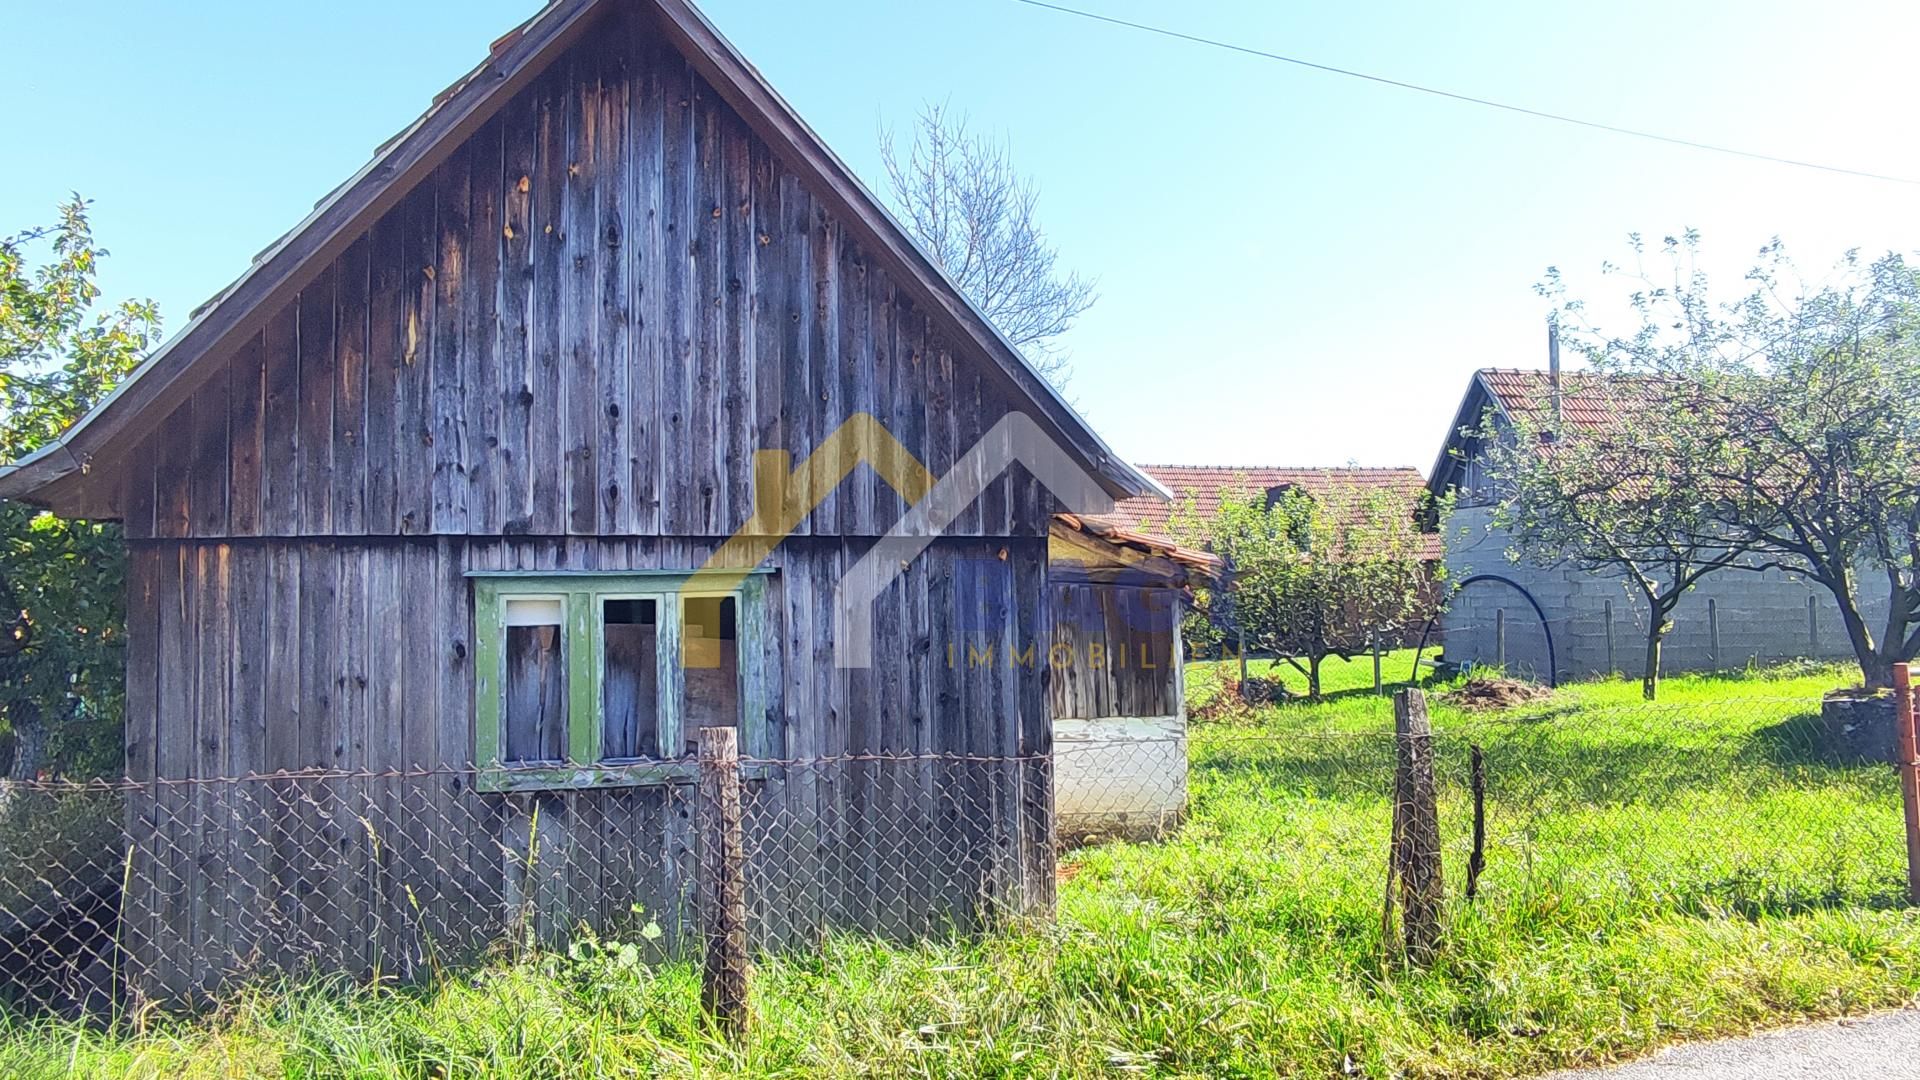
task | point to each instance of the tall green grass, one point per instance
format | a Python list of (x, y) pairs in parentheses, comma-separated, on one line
[(1654, 874)]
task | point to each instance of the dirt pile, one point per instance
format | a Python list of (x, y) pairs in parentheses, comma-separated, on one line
[(1481, 695)]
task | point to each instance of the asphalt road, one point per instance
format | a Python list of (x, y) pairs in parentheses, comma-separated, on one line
[(1885, 1046)]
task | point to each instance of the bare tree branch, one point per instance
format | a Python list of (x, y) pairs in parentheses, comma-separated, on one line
[(961, 198)]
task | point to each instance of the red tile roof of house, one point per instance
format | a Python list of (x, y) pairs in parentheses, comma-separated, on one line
[(1202, 487), (1585, 401)]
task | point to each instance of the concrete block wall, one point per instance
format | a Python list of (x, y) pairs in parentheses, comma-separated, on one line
[(1762, 616)]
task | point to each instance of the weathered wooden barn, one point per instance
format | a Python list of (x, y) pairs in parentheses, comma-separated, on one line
[(412, 505)]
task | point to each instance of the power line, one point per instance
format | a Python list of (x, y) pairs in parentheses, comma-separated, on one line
[(1468, 98)]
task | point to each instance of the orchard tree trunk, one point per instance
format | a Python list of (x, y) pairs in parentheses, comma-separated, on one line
[(1876, 670), (1313, 676), (29, 744), (1650, 681)]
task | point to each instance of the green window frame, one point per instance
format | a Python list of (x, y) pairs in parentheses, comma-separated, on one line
[(583, 597)]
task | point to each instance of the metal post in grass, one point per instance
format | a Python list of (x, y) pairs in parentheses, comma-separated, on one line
[(1612, 667), (1415, 857), (1500, 637), (1909, 772), (1713, 632), (723, 880)]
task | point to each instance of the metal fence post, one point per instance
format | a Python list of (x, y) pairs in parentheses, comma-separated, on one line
[(1415, 857), (723, 879), (1909, 773), (1500, 637), (1713, 632), (1612, 668)]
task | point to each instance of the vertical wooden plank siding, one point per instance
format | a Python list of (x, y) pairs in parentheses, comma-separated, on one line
[(545, 453), (613, 358), (173, 487), (348, 470), (247, 389), (481, 356), (251, 842), (578, 310), (513, 463), (451, 360), (414, 436), (706, 438), (315, 332), (208, 483), (386, 345), (647, 263)]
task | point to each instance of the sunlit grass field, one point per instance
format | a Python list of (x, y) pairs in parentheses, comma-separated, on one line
[(1654, 873)]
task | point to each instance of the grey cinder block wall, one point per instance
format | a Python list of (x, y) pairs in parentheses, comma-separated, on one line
[(1761, 616)]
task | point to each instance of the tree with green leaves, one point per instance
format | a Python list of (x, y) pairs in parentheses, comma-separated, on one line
[(62, 672), (1634, 497), (1815, 390), (1310, 576)]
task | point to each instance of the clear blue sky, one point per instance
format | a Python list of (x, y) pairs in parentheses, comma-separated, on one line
[(1294, 268)]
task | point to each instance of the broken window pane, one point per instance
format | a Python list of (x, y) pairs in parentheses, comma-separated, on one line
[(535, 713), (629, 684), (709, 625)]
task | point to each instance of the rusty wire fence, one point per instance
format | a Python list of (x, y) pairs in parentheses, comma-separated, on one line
[(117, 895)]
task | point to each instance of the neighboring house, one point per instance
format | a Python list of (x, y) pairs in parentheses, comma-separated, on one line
[(413, 506), (1593, 621), (1197, 492), (1118, 692)]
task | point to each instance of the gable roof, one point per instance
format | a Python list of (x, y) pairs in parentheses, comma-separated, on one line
[(171, 373), (1587, 403), (1203, 486)]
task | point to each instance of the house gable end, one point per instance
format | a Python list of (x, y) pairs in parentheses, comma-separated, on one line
[(584, 319)]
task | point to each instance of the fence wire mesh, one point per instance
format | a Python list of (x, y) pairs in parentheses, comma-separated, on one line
[(113, 895)]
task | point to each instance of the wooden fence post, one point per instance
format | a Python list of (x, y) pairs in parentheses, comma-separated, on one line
[(723, 879), (1477, 861), (1415, 858), (1909, 772)]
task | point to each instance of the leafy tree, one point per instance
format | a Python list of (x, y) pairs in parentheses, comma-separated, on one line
[(1815, 389), (62, 672), (961, 198), (1635, 497), (1313, 576)]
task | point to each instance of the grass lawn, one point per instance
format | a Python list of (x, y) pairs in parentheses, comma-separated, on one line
[(1337, 676), (1655, 873)]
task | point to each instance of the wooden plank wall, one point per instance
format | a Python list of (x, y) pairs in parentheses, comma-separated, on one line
[(1113, 651), (583, 323), (247, 658)]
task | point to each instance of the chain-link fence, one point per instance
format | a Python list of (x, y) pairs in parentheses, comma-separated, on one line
[(113, 895)]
